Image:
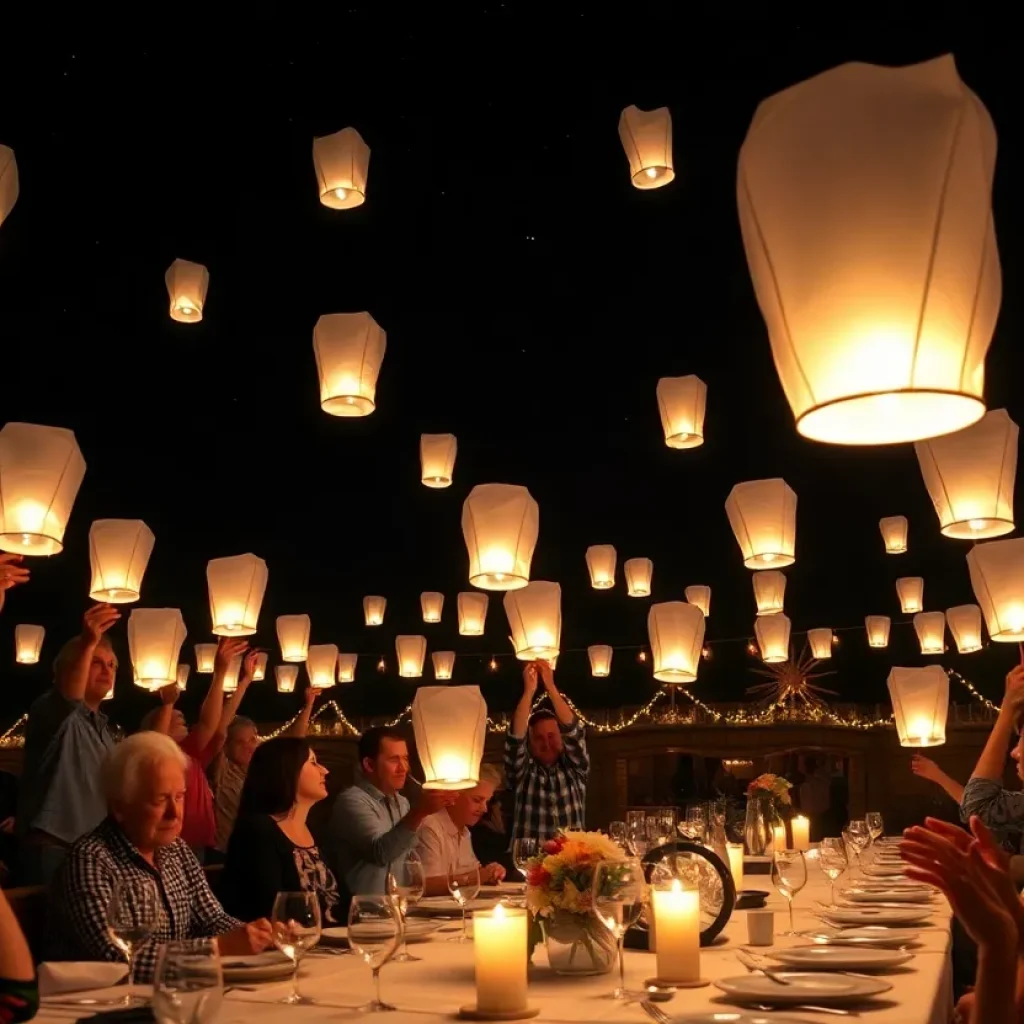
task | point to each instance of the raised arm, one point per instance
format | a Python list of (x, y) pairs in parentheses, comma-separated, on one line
[(301, 724), (992, 762), (926, 768), (96, 621), (12, 572), (168, 698), (212, 712), (562, 710), (521, 715)]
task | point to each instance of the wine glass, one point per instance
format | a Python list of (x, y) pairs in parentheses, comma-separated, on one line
[(406, 883), (617, 833), (860, 836), (295, 920), (789, 876), (618, 894), (833, 862), (187, 982), (132, 916), (374, 932), (523, 851), (463, 885), (876, 826), (697, 820)]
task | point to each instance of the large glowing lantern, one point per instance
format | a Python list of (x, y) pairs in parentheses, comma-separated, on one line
[(206, 655), (910, 590), (293, 636), (965, 625), (28, 643), (762, 514), (41, 469), (699, 596), (321, 665), (970, 477), (535, 618), (601, 560), (119, 551), (600, 656), (155, 636), (287, 676), (500, 523), (894, 534), (865, 206), (183, 672), (234, 670), (411, 652), (997, 577), (349, 348), (820, 641), (437, 459), (639, 573), (373, 609), (920, 703), (931, 631), (472, 612), (342, 163), (769, 591), (877, 628), (646, 136), (449, 723), (676, 633), (772, 632), (8, 182), (236, 585), (259, 667), (187, 284), (681, 402), (444, 664), (431, 603), (347, 667)]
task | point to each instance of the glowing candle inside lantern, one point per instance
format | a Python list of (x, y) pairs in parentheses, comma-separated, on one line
[(677, 917), (499, 954), (801, 833), (735, 851)]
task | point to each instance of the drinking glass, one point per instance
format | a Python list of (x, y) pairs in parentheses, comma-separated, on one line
[(374, 933), (860, 836), (523, 851), (187, 982), (406, 883), (617, 833), (876, 826), (789, 876), (697, 820), (463, 885), (132, 916), (295, 920), (618, 895), (833, 862)]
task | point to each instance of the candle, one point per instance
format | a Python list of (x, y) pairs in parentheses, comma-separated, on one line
[(801, 833), (499, 952), (735, 851), (779, 835), (677, 913)]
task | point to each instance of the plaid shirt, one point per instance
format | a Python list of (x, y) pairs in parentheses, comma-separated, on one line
[(548, 799), (83, 887)]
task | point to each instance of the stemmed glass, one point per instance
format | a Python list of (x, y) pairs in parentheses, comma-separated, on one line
[(295, 920), (523, 851), (873, 820), (132, 916), (406, 883), (789, 876), (860, 836), (833, 862), (463, 885), (618, 895), (375, 933), (187, 982), (617, 833)]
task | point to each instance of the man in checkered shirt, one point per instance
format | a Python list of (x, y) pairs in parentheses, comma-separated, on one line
[(546, 761)]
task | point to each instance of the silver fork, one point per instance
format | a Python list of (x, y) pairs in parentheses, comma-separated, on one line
[(654, 1012), (748, 961), (807, 1008)]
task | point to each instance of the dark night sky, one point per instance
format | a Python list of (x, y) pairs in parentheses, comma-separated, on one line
[(531, 299)]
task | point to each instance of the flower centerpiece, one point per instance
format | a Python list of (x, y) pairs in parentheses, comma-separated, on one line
[(767, 797), (558, 897)]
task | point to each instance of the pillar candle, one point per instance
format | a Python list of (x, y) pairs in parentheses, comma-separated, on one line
[(735, 851), (779, 836), (499, 952), (677, 913), (801, 833)]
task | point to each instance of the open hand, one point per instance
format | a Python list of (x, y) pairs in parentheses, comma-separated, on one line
[(547, 673), (228, 648), (169, 694), (96, 621), (925, 767), (249, 664), (1014, 698), (12, 572), (530, 678)]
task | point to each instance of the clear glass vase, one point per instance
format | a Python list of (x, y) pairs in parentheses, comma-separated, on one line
[(757, 830), (578, 944)]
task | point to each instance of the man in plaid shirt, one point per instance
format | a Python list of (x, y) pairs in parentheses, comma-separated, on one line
[(546, 761)]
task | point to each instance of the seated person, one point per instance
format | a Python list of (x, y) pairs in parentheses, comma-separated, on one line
[(138, 842), (443, 839), (490, 835), (271, 849)]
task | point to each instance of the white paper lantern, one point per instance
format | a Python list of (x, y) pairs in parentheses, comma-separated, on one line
[(769, 591), (347, 667), (820, 641), (187, 284), (762, 514), (349, 349), (182, 679), (8, 182), (910, 590), (970, 477), (41, 469), (965, 625), (444, 663), (28, 643), (236, 585), (342, 164), (231, 675), (437, 459), (411, 652), (472, 613), (155, 636), (119, 551), (681, 402), (894, 534), (449, 723), (293, 636), (259, 667), (287, 676), (321, 665), (601, 560), (865, 206), (431, 603), (646, 136), (639, 573), (500, 523), (920, 703), (931, 631), (700, 597), (997, 578), (877, 628), (772, 632), (206, 655), (373, 609), (535, 618), (675, 630), (600, 656)]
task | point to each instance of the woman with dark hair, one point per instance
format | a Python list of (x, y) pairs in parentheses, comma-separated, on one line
[(271, 849)]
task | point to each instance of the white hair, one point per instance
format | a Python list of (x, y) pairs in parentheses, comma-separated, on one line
[(123, 767)]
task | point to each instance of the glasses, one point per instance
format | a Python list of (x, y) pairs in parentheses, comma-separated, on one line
[(617, 832), (374, 933), (833, 862), (618, 895), (406, 883), (132, 916), (463, 885), (295, 920), (523, 851), (873, 820), (789, 876), (187, 983)]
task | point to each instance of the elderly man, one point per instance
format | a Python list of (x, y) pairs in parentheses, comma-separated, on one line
[(139, 844), (546, 761), (443, 840)]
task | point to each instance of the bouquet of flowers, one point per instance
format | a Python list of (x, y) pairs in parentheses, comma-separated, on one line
[(771, 787)]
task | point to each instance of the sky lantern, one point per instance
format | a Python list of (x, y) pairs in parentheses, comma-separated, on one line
[(449, 724), (349, 349), (287, 676), (236, 585), (293, 636), (472, 608), (865, 206), (639, 573), (646, 137), (910, 590), (931, 631), (970, 477), (965, 625), (762, 514), (820, 641), (894, 534), (601, 560), (373, 609), (231, 675), (500, 523), (681, 402), (119, 551), (444, 664), (41, 469), (700, 596), (321, 665), (347, 667), (28, 643), (920, 704), (187, 284), (535, 618), (600, 656), (772, 632), (342, 164), (997, 577), (675, 630), (206, 655), (769, 591), (155, 636), (183, 673), (437, 459), (877, 628), (8, 182), (259, 667), (431, 603), (411, 652)]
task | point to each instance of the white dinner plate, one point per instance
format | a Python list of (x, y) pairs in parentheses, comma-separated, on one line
[(724, 1017), (415, 931), (882, 870), (894, 895), (447, 906), (841, 958), (875, 915), (802, 987), (872, 935), (256, 967)]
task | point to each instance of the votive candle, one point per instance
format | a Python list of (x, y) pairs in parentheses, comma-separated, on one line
[(677, 914), (801, 833), (735, 851), (779, 835), (499, 952)]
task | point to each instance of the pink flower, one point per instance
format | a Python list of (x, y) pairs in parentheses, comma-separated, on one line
[(553, 846)]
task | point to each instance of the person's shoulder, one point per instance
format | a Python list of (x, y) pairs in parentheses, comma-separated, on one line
[(255, 825), (433, 823)]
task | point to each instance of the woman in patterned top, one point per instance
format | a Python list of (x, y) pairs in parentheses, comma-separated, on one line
[(271, 849)]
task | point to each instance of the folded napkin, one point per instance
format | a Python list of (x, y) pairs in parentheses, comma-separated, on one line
[(71, 976)]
